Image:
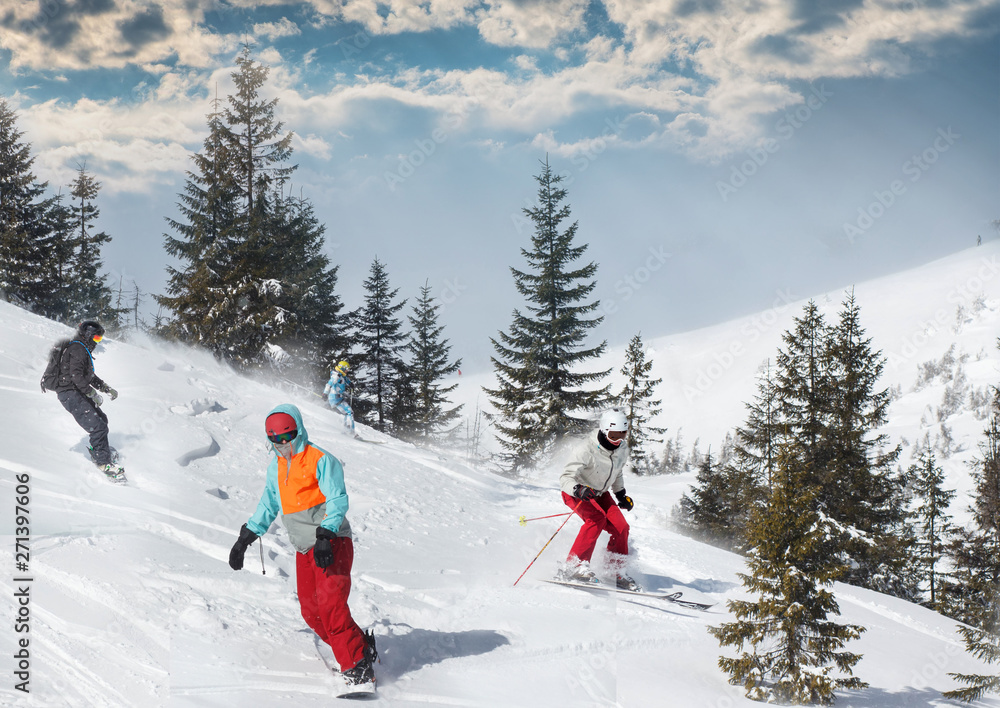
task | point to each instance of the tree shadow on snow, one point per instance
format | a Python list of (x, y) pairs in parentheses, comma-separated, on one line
[(403, 653), (903, 698)]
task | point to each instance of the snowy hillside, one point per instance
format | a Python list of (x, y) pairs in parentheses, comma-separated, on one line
[(131, 601), (914, 317)]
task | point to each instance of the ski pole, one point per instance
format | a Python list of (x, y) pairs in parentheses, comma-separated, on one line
[(524, 522), (548, 542)]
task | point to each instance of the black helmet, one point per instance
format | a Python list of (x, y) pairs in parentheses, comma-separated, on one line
[(89, 329)]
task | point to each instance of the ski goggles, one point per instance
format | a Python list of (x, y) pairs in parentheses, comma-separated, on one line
[(617, 435), (283, 438), (97, 338)]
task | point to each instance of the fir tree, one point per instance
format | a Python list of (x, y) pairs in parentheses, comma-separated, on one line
[(709, 510), (541, 387), (793, 645), (931, 514), (859, 490), (803, 388), (754, 455), (378, 332), (90, 296), (200, 294), (60, 301), (255, 143), (25, 219), (256, 288), (429, 365), (980, 567), (636, 399), (313, 332)]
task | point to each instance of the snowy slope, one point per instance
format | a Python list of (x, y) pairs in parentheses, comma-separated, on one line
[(913, 317), (132, 602)]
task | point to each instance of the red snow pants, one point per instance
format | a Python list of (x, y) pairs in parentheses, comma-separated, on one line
[(601, 514), (323, 597)]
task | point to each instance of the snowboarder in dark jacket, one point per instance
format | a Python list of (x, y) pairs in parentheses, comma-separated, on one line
[(77, 386)]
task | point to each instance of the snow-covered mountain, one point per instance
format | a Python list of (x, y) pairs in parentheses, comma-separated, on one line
[(131, 602)]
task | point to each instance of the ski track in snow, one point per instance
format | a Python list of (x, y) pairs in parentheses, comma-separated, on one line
[(134, 604)]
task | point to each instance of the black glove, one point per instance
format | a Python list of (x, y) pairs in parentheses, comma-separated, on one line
[(583, 492), (323, 550), (95, 397), (240, 547), (624, 500)]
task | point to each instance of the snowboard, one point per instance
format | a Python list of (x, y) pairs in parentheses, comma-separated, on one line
[(344, 690), (370, 442), (674, 597)]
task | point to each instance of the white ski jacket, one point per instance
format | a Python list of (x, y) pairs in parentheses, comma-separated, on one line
[(593, 465)]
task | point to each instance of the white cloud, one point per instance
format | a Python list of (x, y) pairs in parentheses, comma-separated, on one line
[(46, 35), (739, 60), (273, 30), (312, 144), (530, 24)]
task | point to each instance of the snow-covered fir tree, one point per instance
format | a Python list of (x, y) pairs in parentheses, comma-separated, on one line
[(790, 646), (430, 363), (380, 378), (25, 227), (543, 390), (255, 286), (636, 400), (931, 516), (206, 243), (975, 595)]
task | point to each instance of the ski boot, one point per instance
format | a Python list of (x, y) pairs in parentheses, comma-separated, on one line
[(624, 582), (579, 572)]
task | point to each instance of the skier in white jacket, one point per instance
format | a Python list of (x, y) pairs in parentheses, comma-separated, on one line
[(595, 467)]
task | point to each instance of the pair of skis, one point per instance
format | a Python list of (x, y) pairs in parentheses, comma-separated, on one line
[(674, 597)]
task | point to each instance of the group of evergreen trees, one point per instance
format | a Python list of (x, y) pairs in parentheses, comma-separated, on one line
[(50, 251), (809, 494), (254, 286)]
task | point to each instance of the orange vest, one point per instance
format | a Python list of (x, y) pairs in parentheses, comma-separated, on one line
[(297, 482)]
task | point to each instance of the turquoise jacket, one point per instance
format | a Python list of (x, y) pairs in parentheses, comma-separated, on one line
[(308, 492)]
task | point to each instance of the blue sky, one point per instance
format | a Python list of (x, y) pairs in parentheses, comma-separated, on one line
[(719, 154)]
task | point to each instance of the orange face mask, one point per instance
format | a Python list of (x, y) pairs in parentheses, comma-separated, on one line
[(98, 338)]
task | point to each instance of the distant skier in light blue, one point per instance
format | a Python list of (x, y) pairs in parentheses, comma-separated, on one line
[(336, 391)]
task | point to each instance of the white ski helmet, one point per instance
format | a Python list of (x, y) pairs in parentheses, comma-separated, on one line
[(613, 419)]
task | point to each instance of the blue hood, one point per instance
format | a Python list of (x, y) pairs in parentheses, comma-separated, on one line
[(302, 439)]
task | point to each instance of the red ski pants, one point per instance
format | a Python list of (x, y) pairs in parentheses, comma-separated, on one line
[(323, 597), (601, 514)]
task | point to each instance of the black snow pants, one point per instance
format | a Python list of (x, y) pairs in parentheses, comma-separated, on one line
[(92, 419)]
